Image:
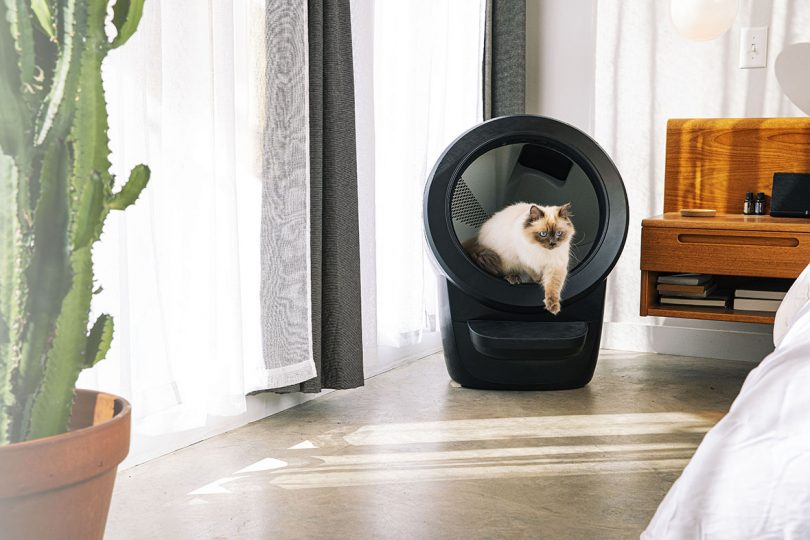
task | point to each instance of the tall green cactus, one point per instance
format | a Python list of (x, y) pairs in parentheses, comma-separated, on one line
[(56, 190)]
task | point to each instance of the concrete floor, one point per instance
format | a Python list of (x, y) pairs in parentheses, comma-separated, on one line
[(410, 457)]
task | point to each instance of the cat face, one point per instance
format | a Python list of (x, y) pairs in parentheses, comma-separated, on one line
[(550, 226)]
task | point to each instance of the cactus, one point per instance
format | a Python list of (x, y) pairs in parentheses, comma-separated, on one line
[(56, 190)]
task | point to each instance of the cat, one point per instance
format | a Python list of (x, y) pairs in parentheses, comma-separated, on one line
[(527, 238)]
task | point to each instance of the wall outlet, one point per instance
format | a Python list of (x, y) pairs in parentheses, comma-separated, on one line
[(753, 47)]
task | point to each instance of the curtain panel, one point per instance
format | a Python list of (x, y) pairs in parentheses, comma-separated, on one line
[(180, 272), (427, 91), (504, 69), (311, 314), (440, 66), (183, 270), (286, 273)]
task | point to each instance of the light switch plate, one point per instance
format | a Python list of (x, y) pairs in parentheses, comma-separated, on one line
[(753, 47)]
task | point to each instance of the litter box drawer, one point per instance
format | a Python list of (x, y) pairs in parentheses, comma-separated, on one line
[(527, 340), (724, 252)]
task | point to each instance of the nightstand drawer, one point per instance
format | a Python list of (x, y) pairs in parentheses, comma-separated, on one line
[(724, 252)]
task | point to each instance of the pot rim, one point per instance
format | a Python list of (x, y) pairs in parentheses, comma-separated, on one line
[(52, 462), (126, 408)]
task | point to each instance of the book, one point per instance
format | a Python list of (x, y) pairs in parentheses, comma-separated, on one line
[(759, 293), (681, 290), (756, 304), (685, 279), (712, 301), (705, 294)]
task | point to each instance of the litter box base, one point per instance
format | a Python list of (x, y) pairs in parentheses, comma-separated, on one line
[(529, 349)]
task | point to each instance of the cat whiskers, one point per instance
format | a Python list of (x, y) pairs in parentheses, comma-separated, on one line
[(571, 252)]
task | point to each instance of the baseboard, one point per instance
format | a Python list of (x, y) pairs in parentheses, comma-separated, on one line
[(746, 342)]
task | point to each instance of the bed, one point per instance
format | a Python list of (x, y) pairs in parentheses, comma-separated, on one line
[(750, 477)]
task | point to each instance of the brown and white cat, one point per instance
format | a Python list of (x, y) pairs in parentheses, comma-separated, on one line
[(526, 238)]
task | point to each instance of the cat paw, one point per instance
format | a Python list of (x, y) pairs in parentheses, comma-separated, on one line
[(552, 305), (513, 279)]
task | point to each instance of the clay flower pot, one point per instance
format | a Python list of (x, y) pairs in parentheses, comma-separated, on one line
[(60, 486)]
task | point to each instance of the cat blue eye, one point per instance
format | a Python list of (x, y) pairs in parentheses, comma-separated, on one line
[(543, 234), (558, 234)]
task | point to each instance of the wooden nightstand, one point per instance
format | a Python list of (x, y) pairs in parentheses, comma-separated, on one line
[(729, 245), (712, 163)]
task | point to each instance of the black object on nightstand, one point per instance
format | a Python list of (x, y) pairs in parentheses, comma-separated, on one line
[(791, 195)]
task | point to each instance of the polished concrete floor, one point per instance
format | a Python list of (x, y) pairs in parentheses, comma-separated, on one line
[(411, 457)]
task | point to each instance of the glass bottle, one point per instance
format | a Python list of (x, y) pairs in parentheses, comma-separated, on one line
[(748, 205), (759, 205)]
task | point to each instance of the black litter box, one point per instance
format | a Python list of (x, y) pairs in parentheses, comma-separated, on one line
[(497, 335)]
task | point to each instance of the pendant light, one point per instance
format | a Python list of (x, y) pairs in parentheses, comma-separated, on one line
[(702, 20)]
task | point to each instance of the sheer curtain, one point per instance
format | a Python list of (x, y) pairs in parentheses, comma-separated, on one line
[(427, 92), (180, 270), (646, 73)]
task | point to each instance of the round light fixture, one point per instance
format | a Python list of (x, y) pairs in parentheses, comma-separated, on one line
[(702, 20)]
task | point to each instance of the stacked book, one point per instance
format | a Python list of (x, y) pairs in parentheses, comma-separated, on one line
[(690, 290), (759, 298)]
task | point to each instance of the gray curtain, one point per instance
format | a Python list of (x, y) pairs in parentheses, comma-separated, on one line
[(504, 73), (334, 234), (285, 268)]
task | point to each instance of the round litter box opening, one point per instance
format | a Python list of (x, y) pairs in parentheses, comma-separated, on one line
[(528, 172), (530, 159)]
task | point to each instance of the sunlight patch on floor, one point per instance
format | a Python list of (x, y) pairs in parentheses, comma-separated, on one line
[(403, 462), (371, 476), (586, 425), (448, 456), (302, 445), (215, 487), (266, 464)]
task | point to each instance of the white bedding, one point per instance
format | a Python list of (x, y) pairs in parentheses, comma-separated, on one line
[(750, 477)]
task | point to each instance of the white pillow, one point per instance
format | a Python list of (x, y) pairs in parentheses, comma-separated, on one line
[(796, 298)]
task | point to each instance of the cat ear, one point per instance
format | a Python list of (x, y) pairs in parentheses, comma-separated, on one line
[(535, 213), (565, 211)]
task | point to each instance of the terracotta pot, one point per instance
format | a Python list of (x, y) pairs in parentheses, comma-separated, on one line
[(60, 486)]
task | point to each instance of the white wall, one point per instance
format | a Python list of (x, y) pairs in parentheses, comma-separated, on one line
[(618, 71), (560, 60)]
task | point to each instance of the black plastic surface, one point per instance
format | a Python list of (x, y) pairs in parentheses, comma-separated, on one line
[(499, 336), (540, 370), (445, 248), (548, 161), (526, 339)]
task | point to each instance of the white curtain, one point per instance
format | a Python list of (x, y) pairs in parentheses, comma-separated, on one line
[(427, 92), (645, 74), (180, 269)]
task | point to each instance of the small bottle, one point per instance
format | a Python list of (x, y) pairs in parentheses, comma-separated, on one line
[(759, 205), (748, 205)]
